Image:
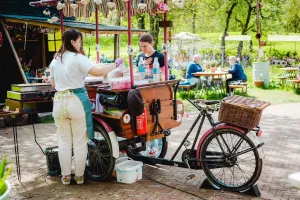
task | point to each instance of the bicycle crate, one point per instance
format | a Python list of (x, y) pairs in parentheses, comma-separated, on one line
[(241, 111)]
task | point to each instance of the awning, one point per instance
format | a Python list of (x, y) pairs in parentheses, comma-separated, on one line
[(284, 38), (81, 26)]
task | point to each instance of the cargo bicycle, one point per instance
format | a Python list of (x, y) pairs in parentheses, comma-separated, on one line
[(226, 153)]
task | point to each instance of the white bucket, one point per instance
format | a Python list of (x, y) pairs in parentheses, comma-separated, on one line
[(295, 180), (128, 171), (261, 70), (6, 193)]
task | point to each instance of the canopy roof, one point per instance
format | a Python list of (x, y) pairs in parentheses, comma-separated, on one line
[(186, 36), (81, 26), (284, 38)]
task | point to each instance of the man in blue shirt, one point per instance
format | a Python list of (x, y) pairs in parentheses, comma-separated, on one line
[(236, 71), (194, 67)]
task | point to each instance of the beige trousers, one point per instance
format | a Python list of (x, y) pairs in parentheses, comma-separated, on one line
[(69, 117)]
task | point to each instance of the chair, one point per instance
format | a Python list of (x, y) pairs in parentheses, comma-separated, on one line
[(239, 86)]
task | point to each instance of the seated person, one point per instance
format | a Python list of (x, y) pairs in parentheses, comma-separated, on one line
[(193, 68), (236, 71)]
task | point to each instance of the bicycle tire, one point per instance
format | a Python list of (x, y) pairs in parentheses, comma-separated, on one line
[(213, 179), (100, 161)]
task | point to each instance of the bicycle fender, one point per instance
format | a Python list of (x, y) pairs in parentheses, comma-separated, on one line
[(218, 127), (112, 136)]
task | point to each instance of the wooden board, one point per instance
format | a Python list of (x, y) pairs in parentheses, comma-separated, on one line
[(162, 92)]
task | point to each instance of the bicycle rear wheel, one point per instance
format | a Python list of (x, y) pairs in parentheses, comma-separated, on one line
[(235, 172), (100, 161)]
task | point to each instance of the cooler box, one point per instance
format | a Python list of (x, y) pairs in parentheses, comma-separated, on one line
[(129, 171)]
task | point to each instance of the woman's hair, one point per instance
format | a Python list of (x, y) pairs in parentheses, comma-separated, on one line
[(69, 34), (146, 37), (232, 58)]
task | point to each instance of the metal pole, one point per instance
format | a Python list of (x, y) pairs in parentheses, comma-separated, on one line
[(97, 36), (130, 44), (14, 52), (258, 21), (165, 44), (61, 16)]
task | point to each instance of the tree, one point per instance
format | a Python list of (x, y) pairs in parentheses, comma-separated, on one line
[(247, 6), (230, 5), (292, 15)]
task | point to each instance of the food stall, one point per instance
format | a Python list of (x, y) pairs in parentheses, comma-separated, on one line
[(29, 41)]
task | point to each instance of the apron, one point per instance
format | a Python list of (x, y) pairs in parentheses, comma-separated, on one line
[(82, 94)]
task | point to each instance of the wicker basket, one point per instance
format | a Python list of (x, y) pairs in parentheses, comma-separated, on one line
[(241, 111)]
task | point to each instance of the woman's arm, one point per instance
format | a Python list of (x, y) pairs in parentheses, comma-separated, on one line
[(102, 69), (52, 82)]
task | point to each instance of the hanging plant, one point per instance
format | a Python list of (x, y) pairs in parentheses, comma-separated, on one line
[(160, 8)]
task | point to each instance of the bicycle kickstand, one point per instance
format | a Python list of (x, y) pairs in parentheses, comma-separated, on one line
[(191, 176)]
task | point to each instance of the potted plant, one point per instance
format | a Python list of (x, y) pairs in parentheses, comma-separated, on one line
[(40, 72), (213, 66), (4, 184), (260, 82)]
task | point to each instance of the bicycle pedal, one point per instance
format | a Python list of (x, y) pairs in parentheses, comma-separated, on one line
[(189, 177)]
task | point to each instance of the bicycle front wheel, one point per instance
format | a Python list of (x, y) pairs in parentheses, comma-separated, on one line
[(228, 160)]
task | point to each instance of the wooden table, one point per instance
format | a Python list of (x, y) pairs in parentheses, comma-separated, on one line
[(290, 72), (210, 84), (26, 107), (13, 114), (296, 83)]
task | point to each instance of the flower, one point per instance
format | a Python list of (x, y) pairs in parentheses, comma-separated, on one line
[(161, 8)]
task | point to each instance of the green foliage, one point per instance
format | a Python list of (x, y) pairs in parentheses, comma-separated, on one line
[(3, 175), (296, 90)]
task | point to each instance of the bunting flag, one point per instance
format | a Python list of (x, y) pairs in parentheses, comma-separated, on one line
[(87, 10)]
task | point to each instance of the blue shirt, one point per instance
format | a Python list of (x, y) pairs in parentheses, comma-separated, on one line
[(193, 68), (237, 72)]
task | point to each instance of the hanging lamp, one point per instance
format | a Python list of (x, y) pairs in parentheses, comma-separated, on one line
[(111, 4), (74, 5), (46, 12), (142, 5), (60, 6), (98, 2), (54, 18)]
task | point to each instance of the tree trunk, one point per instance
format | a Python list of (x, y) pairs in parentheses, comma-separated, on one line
[(154, 30), (245, 29), (141, 21), (229, 13), (194, 23)]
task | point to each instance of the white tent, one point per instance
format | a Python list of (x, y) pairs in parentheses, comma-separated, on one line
[(186, 36), (187, 42), (236, 38), (284, 38)]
